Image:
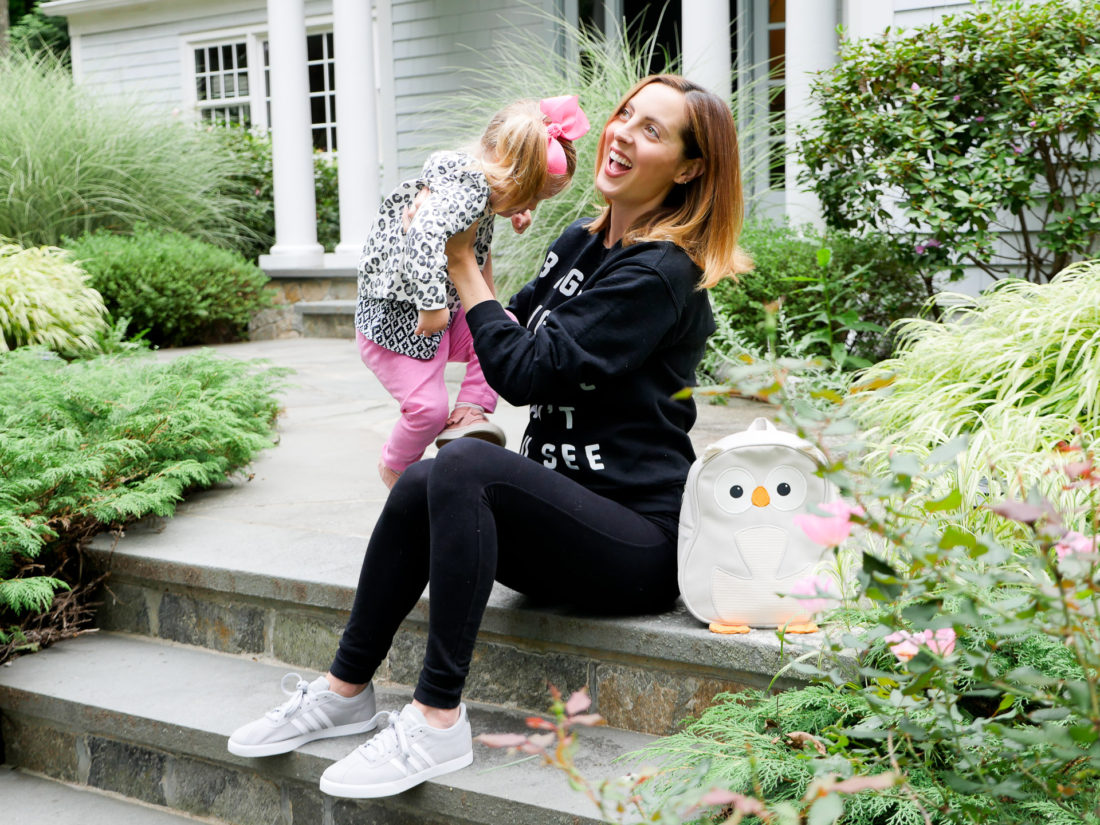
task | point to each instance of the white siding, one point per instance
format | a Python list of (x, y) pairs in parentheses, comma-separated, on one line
[(433, 40)]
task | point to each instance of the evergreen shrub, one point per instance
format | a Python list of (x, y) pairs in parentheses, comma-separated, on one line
[(971, 141), (45, 299), (859, 293), (104, 441), (181, 290)]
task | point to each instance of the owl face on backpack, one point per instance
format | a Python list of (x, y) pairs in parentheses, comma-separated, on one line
[(739, 548)]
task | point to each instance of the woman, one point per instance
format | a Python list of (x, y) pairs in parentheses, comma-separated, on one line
[(608, 333)]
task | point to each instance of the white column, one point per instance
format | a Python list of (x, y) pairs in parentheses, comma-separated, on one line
[(291, 141), (356, 124), (867, 18), (706, 44), (811, 47)]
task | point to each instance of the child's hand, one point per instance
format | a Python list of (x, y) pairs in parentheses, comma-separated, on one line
[(521, 220), (431, 321)]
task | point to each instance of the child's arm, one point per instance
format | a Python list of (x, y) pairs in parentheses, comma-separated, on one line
[(521, 221), (431, 321)]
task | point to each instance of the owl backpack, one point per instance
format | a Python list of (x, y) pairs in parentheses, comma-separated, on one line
[(739, 549)]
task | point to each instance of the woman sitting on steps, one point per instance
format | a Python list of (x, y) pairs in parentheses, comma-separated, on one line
[(609, 331)]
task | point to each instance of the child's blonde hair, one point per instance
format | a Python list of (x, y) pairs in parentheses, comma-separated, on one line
[(513, 154)]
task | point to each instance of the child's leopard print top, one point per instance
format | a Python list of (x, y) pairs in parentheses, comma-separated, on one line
[(401, 273)]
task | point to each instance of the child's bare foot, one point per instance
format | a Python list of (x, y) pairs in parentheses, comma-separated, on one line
[(469, 421), (389, 477)]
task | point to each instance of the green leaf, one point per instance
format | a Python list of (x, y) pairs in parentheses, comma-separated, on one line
[(826, 810)]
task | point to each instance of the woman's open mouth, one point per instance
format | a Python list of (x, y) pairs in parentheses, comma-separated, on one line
[(617, 164)]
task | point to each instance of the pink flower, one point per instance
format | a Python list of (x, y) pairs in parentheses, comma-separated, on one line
[(980, 119), (906, 645), (957, 98), (829, 531), (820, 587), (942, 641), (915, 88), (1074, 542)]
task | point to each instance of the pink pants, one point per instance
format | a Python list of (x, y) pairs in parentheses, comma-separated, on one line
[(419, 387)]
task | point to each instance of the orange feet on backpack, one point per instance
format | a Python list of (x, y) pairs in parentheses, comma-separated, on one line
[(470, 421)]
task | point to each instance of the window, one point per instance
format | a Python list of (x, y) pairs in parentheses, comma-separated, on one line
[(777, 98), (322, 89), (221, 83), (228, 84)]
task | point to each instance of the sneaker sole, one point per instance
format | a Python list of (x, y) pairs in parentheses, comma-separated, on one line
[(287, 745), (396, 786), (486, 432)]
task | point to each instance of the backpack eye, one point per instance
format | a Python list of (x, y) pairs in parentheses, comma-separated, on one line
[(733, 490), (786, 486)]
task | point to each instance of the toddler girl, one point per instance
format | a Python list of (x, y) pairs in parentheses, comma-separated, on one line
[(408, 321)]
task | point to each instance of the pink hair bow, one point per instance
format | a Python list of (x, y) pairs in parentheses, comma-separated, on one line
[(568, 121)]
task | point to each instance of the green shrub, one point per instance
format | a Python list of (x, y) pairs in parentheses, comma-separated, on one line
[(181, 290), (72, 162), (45, 299), (970, 141), (257, 211), (855, 297), (37, 32), (105, 441)]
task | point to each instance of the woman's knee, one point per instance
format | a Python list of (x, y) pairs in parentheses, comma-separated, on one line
[(468, 462)]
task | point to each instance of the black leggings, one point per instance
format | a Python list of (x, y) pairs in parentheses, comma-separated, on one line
[(476, 513)]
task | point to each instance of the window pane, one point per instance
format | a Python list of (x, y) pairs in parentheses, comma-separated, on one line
[(230, 89), (200, 88), (319, 141), (215, 63), (775, 52), (227, 56), (331, 76), (332, 148), (314, 47), (317, 78), (242, 56), (328, 45), (242, 84), (200, 60), (317, 109), (777, 11)]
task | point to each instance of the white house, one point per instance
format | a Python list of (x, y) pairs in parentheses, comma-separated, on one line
[(292, 65)]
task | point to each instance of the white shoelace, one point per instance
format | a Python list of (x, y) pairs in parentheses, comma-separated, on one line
[(297, 698), (382, 744)]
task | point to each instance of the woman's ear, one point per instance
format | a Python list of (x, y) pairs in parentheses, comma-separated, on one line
[(690, 170)]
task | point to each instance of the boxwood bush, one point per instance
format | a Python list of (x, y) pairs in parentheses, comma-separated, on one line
[(864, 284), (181, 290)]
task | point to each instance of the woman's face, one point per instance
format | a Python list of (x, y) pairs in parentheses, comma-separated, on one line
[(644, 151)]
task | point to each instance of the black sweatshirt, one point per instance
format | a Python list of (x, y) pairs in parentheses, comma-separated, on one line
[(605, 338)]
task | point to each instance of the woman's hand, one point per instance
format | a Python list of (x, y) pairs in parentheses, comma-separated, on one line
[(431, 321), (463, 269), (460, 248)]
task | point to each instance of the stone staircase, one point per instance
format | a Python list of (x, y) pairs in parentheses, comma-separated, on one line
[(204, 613), (309, 303)]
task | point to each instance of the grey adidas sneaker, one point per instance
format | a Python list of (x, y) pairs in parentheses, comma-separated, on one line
[(312, 712), (406, 753)]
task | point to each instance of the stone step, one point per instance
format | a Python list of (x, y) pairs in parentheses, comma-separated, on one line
[(325, 319), (148, 721), (282, 593), (30, 799)]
